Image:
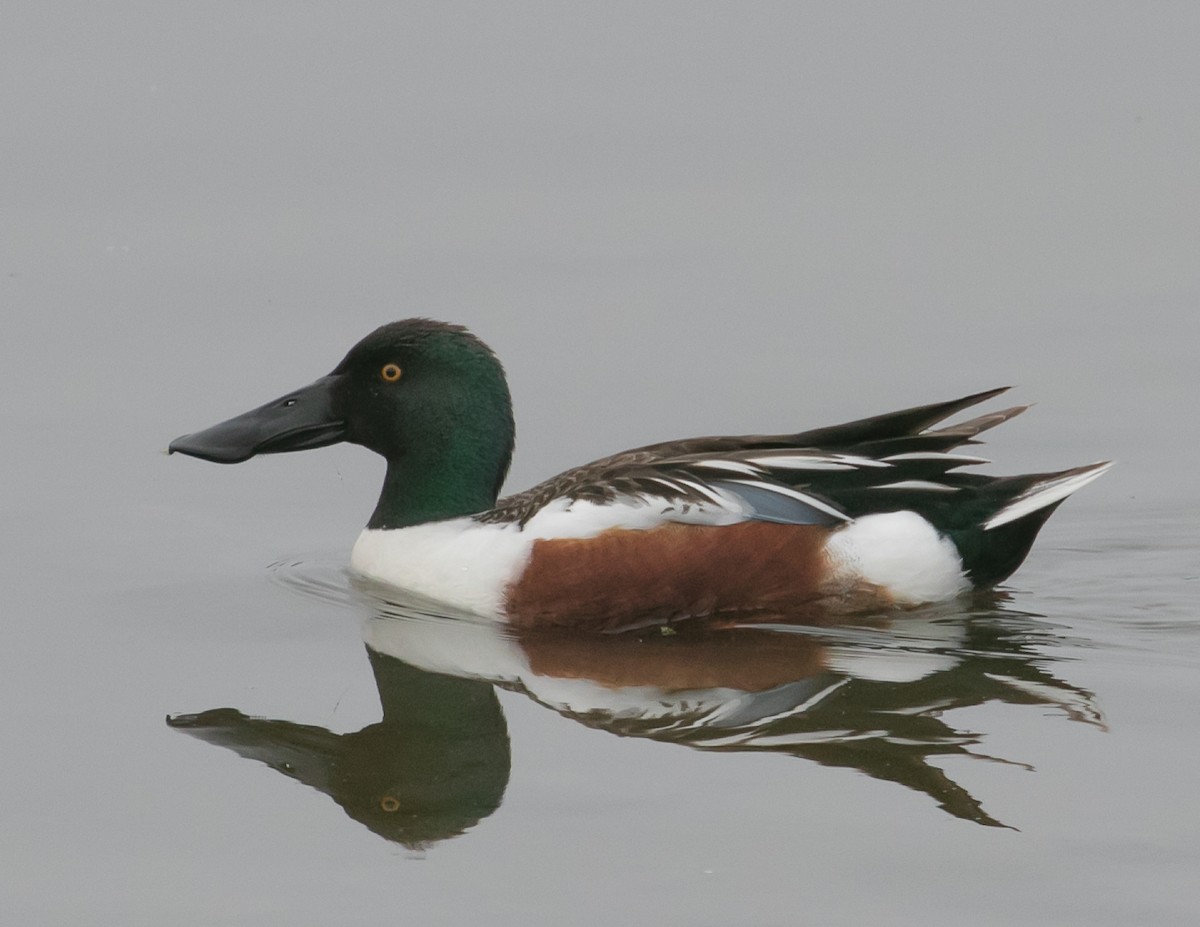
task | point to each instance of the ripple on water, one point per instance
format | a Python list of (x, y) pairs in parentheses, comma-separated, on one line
[(321, 577)]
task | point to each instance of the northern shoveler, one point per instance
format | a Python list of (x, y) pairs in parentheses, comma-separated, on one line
[(868, 514)]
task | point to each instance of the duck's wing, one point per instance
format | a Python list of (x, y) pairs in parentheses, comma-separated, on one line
[(712, 489), (790, 479)]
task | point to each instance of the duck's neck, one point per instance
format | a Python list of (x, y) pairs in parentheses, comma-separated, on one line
[(459, 475)]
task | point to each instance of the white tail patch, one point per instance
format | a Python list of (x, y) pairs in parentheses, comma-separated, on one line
[(1046, 493)]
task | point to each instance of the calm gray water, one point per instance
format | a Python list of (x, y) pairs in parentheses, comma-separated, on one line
[(695, 218)]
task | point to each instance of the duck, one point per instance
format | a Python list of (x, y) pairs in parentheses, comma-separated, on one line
[(865, 516)]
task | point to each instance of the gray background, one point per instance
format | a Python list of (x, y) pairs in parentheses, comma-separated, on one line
[(668, 219)]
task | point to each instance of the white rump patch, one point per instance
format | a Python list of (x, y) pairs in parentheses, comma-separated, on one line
[(900, 552)]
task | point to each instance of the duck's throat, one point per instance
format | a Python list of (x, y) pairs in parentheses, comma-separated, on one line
[(415, 492)]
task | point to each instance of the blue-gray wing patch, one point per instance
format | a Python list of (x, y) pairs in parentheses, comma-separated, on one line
[(781, 504)]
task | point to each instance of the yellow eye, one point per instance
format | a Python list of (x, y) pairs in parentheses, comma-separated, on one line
[(388, 803), (390, 373)]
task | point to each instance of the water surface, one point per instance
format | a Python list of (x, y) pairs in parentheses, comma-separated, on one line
[(668, 220)]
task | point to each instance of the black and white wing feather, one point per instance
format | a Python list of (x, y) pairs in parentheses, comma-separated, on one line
[(812, 477)]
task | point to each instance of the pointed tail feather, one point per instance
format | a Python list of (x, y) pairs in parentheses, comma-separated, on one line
[(934, 440), (993, 546), (970, 429), (891, 424), (1046, 492)]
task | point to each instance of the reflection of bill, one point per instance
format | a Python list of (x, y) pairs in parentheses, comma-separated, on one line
[(874, 699), (436, 765)]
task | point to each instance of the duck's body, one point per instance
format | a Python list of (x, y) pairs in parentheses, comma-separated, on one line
[(868, 514), (564, 569)]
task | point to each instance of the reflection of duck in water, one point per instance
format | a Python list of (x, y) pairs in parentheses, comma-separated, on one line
[(871, 699), (867, 698), (858, 516), (436, 765), (875, 712)]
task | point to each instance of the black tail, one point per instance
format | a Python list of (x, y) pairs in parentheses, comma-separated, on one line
[(1014, 510)]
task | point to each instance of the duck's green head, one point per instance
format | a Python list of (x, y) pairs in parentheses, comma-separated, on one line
[(428, 396)]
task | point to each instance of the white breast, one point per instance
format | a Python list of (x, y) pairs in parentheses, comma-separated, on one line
[(469, 564), (459, 561)]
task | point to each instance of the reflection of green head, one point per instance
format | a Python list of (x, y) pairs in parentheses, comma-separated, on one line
[(436, 765), (439, 760)]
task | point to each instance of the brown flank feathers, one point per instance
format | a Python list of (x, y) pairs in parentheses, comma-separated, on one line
[(621, 579)]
